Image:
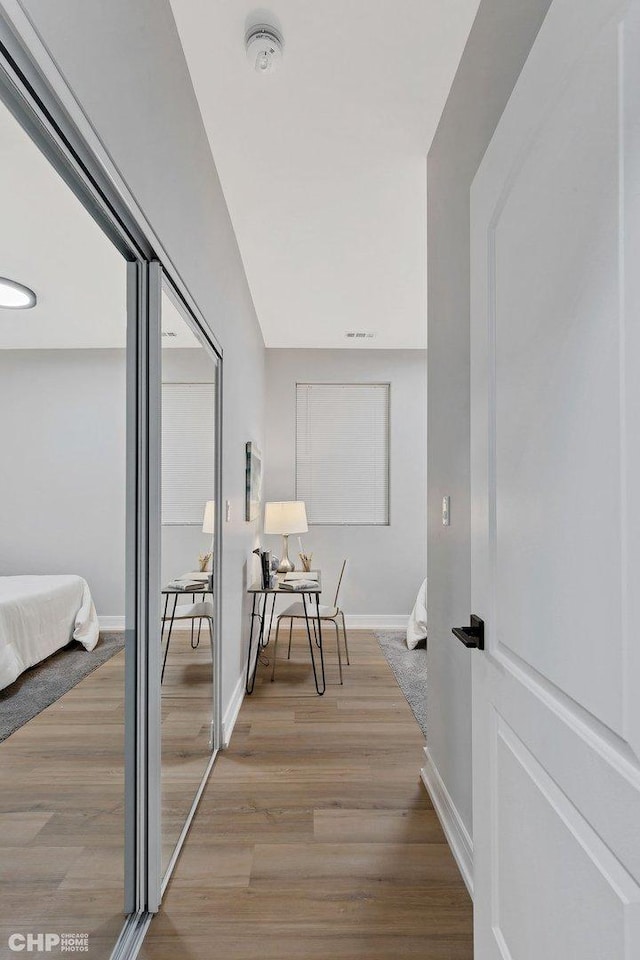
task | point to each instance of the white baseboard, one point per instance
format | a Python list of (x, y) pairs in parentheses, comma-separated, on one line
[(376, 621), (232, 711), (454, 829), (111, 623), (233, 707)]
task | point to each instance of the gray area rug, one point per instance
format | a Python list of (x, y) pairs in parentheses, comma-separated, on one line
[(39, 687), (410, 670)]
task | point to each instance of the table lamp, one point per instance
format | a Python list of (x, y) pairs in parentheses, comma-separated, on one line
[(285, 517)]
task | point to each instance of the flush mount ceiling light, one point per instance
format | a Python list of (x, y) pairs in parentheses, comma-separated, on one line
[(264, 48), (15, 296)]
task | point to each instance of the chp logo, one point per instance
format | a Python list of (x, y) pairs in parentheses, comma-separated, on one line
[(46, 942)]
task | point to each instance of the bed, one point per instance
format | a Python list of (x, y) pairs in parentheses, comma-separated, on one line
[(39, 615), (417, 626)]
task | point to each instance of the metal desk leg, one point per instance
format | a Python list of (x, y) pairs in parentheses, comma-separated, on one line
[(164, 616), (273, 607), (248, 688), (204, 594), (324, 682), (263, 620), (313, 662), (166, 649), (261, 617)]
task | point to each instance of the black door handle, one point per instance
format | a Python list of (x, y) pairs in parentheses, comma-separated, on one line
[(473, 635)]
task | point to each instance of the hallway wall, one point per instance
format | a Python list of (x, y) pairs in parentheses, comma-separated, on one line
[(498, 44), (125, 65)]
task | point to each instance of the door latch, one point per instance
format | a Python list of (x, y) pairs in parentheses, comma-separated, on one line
[(473, 635)]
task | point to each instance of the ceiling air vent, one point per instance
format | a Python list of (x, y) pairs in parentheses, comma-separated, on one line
[(359, 335)]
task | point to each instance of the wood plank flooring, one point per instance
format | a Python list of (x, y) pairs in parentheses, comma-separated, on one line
[(315, 839), (187, 704), (62, 799), (62, 819)]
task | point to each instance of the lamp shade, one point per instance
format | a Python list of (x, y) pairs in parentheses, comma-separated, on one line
[(285, 516), (208, 524)]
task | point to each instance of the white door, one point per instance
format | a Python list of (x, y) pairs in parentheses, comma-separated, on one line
[(555, 375)]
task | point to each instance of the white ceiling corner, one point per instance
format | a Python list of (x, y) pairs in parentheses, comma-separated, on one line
[(323, 163)]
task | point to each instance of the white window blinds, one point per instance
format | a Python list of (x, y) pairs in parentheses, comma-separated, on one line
[(342, 452), (187, 451)]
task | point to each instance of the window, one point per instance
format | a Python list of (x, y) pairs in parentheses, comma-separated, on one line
[(187, 451), (342, 452)]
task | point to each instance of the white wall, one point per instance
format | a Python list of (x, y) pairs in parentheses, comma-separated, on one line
[(125, 64), (387, 564), (500, 39), (62, 483)]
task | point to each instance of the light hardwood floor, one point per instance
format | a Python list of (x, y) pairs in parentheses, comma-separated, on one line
[(62, 799), (315, 839), (61, 817), (187, 705)]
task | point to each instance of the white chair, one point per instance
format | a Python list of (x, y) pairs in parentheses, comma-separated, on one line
[(297, 612), (191, 611)]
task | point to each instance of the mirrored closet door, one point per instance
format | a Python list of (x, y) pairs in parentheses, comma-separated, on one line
[(189, 644), (64, 583)]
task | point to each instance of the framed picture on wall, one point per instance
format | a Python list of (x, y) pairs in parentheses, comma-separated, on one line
[(253, 482)]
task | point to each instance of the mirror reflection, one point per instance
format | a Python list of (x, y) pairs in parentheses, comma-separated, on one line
[(188, 555)]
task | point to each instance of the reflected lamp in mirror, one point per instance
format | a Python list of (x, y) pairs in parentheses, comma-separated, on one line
[(208, 526), (208, 523), (285, 517)]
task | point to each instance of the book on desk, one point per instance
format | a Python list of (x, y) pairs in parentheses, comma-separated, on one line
[(302, 582), (190, 581)]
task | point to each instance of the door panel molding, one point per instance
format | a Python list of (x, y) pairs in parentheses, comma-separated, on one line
[(525, 782)]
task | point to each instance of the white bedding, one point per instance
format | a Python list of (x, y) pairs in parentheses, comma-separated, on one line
[(39, 615), (417, 626)]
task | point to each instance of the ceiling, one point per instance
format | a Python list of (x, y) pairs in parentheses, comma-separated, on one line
[(323, 164), (49, 242)]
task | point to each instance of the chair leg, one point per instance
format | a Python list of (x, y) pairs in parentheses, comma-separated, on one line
[(210, 625), (198, 637), (335, 623), (275, 650), (346, 642), (290, 632)]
